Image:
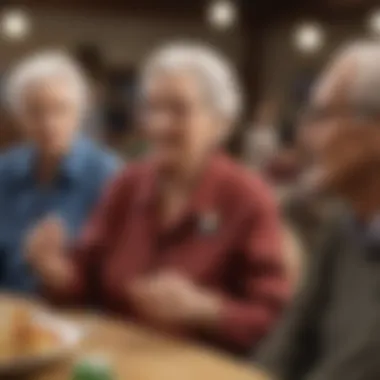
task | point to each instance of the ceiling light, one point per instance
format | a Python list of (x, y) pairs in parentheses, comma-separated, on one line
[(222, 14), (374, 22), (309, 38), (14, 24)]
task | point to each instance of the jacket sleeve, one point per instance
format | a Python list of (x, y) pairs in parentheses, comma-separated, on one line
[(86, 256), (265, 285), (293, 347)]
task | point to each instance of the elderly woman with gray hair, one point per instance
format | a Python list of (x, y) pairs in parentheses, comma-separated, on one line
[(186, 241), (57, 172)]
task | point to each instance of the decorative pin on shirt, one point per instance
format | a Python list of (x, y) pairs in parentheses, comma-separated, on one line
[(209, 223)]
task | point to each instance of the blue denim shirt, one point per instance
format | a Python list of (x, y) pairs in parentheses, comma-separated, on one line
[(72, 196)]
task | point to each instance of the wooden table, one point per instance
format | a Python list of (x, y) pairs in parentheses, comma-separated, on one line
[(138, 354)]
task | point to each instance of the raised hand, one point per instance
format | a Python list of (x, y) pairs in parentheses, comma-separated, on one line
[(45, 251)]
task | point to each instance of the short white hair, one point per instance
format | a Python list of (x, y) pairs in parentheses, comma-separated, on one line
[(364, 87), (42, 67), (214, 71)]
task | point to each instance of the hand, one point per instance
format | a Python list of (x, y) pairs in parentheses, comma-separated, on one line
[(170, 299), (44, 247)]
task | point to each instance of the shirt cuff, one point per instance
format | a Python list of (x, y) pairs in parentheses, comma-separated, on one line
[(242, 324)]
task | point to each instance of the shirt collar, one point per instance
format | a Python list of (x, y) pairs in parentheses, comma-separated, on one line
[(202, 201), (73, 164), (373, 228), (368, 233), (71, 167), (360, 225)]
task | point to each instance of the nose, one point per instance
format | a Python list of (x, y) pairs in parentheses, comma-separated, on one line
[(159, 124)]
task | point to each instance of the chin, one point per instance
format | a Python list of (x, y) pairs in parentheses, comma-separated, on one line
[(166, 162), (167, 157), (53, 148)]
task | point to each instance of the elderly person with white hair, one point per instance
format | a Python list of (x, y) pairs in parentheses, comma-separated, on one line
[(186, 241), (332, 332), (57, 172)]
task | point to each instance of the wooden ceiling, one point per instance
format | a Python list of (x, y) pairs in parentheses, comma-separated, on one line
[(128, 6), (255, 10)]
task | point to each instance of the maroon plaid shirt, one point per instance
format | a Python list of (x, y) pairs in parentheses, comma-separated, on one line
[(228, 240)]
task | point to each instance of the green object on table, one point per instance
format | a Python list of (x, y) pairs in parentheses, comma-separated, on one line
[(92, 369)]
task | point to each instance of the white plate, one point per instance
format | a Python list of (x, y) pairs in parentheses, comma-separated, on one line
[(70, 335)]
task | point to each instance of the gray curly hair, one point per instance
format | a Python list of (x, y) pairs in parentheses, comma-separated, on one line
[(213, 71)]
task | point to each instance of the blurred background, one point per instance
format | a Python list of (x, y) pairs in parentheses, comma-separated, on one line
[(277, 46)]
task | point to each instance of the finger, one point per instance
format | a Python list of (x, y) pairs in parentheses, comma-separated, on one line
[(137, 290), (43, 232), (54, 226), (168, 274), (31, 245), (164, 281), (33, 252)]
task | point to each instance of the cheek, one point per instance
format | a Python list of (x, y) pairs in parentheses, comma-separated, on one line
[(349, 153), (69, 122), (326, 135), (327, 140), (202, 132), (31, 127), (311, 137)]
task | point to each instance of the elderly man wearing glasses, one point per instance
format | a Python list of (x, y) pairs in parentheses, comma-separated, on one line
[(186, 241), (58, 172), (332, 332)]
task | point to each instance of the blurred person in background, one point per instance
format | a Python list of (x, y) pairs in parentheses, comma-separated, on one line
[(91, 61), (305, 205), (9, 134), (332, 331), (58, 171), (186, 241), (283, 168), (262, 142)]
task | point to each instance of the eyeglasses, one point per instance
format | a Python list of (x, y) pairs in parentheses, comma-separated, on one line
[(311, 115)]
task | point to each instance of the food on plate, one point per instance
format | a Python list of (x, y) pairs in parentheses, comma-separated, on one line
[(20, 335)]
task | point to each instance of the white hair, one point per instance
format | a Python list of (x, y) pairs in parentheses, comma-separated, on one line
[(43, 67), (364, 88), (213, 70)]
